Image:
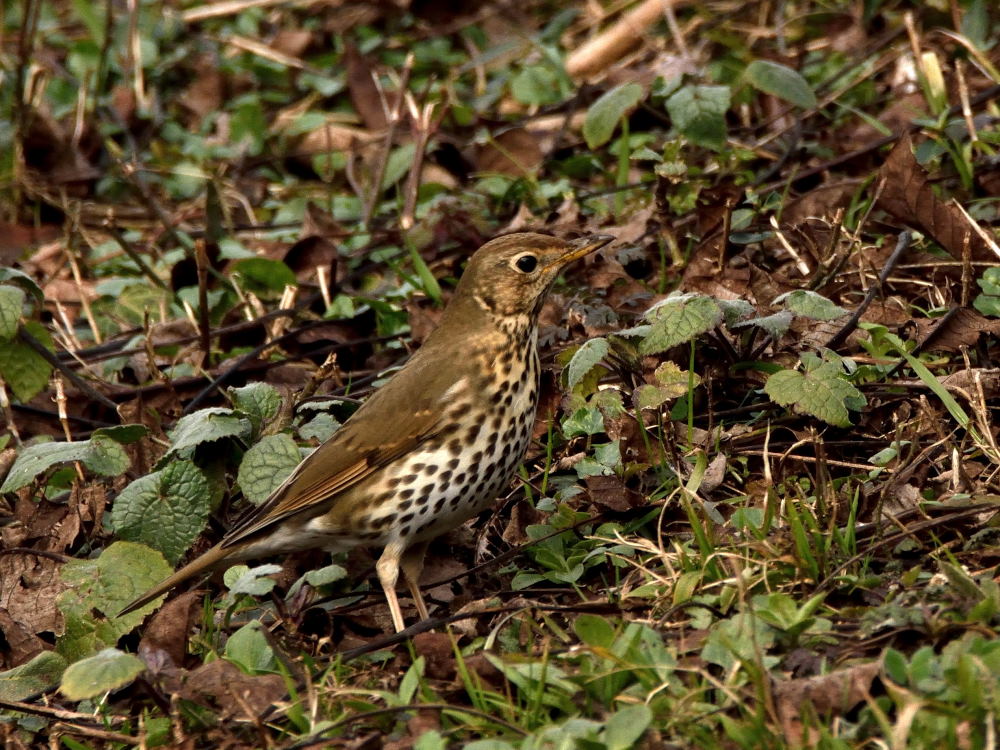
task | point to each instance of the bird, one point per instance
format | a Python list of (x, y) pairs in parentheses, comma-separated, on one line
[(432, 447)]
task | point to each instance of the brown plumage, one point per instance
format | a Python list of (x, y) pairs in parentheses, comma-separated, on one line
[(433, 446)]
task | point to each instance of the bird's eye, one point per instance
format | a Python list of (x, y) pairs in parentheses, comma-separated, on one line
[(526, 263)]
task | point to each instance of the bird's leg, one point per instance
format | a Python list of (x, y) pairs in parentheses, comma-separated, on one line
[(412, 564), (387, 569)]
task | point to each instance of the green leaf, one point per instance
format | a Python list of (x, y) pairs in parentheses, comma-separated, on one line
[(241, 579), (595, 631), (536, 85), (781, 81), (98, 589), (25, 370), (679, 319), (319, 428), (206, 426), (166, 510), (107, 670), (101, 454), (810, 304), (126, 434), (35, 676), (259, 401), (249, 650), (774, 325), (735, 310), (24, 281), (584, 360), (624, 727), (326, 575), (266, 465), (699, 113), (263, 276), (604, 115), (822, 392), (398, 164), (11, 302), (584, 421)]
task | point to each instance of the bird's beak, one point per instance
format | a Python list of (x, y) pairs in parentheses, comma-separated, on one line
[(579, 248)]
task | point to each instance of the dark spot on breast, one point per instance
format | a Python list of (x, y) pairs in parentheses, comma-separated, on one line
[(405, 504), (445, 476), (460, 478), (455, 446), (453, 463), (407, 517), (430, 469), (440, 504), (472, 434), (407, 493)]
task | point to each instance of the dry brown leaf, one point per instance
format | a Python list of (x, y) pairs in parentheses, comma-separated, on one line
[(836, 693), (30, 585), (364, 93), (514, 152), (908, 196), (238, 696)]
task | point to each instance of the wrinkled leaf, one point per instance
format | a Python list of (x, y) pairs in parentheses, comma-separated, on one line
[(699, 113), (206, 426), (259, 401), (822, 392), (166, 510), (266, 465), (26, 371), (101, 454), (678, 320), (585, 359)]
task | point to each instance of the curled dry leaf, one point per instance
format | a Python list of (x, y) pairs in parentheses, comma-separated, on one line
[(834, 693)]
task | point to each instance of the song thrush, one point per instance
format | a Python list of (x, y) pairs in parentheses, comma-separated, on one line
[(432, 447)]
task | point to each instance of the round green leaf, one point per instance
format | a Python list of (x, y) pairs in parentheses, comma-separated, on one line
[(249, 650), (107, 670), (25, 370), (699, 112), (205, 426)]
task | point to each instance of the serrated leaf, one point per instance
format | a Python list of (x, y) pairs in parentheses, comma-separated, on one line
[(781, 81), (35, 676), (585, 359), (106, 456), (584, 421), (810, 304), (822, 393), (206, 426), (249, 650), (98, 589), (679, 320), (125, 434), (774, 325), (604, 114), (166, 510), (699, 113), (11, 303), (109, 669), (266, 465), (259, 401), (26, 371)]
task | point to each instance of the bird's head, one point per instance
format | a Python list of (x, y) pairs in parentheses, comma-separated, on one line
[(509, 277)]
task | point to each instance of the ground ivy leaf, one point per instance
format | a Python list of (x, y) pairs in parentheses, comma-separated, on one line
[(259, 401), (24, 281), (822, 392), (205, 426), (604, 114), (105, 456), (585, 359), (107, 670), (781, 81), (98, 589), (241, 579), (35, 676), (699, 112), (319, 428), (166, 510), (11, 302), (36, 459), (679, 320), (735, 310), (266, 465), (810, 304), (25, 370)]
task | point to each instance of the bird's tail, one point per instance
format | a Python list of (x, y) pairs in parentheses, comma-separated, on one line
[(211, 559)]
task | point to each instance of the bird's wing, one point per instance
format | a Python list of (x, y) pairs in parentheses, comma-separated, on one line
[(360, 447)]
